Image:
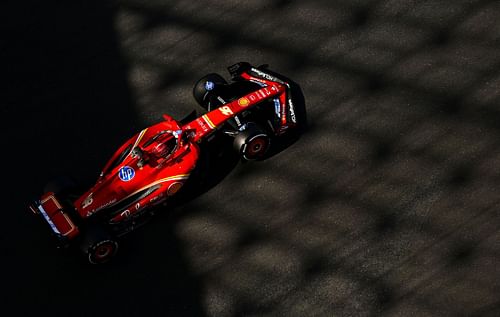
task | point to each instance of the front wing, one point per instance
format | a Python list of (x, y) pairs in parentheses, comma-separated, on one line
[(272, 88)]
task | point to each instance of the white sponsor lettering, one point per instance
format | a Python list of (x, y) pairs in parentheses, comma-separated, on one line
[(292, 111), (258, 82), (109, 203), (264, 75), (202, 125), (222, 101)]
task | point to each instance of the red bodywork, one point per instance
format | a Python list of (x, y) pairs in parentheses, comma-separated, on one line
[(166, 174), (132, 182)]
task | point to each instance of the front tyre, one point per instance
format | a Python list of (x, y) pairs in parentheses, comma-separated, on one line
[(205, 87), (252, 143)]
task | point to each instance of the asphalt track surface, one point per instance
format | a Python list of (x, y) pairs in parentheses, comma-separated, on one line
[(387, 205)]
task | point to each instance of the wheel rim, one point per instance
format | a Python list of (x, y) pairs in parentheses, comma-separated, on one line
[(257, 147), (102, 251)]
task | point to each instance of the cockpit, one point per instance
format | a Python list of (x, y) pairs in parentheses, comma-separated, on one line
[(157, 149)]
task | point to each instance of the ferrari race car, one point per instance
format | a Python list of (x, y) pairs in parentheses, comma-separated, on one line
[(255, 108)]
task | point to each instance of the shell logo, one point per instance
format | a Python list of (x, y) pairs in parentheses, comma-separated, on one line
[(243, 101)]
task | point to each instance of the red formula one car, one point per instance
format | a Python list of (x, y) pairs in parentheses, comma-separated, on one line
[(153, 165)]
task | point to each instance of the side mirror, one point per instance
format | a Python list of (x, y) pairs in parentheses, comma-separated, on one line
[(137, 152)]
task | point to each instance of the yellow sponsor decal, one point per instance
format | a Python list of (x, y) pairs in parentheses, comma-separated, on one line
[(139, 138), (243, 101), (208, 121), (174, 188)]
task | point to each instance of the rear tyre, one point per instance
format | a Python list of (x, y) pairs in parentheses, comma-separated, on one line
[(98, 245), (203, 88), (252, 143)]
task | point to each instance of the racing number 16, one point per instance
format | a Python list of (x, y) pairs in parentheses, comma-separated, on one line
[(226, 110)]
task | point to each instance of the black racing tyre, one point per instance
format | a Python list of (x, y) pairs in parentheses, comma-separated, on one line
[(204, 86), (252, 143), (98, 246)]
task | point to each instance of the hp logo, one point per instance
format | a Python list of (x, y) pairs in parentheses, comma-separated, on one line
[(126, 173)]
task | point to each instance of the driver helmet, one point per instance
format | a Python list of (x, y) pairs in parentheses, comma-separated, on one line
[(160, 150)]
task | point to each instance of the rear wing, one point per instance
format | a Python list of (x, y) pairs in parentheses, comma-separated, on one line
[(59, 222)]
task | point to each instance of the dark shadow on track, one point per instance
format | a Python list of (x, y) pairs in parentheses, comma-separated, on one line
[(66, 105)]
